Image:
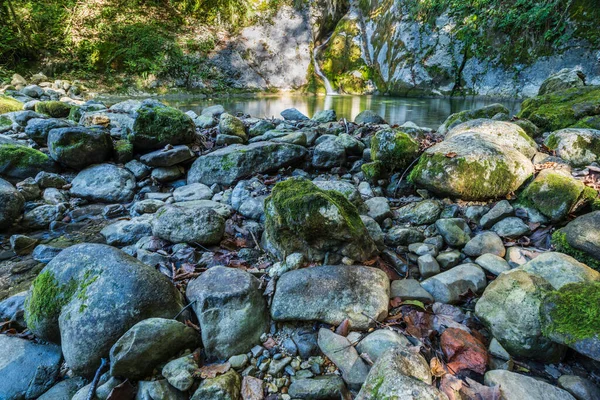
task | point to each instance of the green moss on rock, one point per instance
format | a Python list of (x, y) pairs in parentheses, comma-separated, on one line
[(8, 104), (373, 171), (559, 240), (157, 125), (47, 298), (21, 157), (54, 109), (573, 312), (123, 150), (395, 149)]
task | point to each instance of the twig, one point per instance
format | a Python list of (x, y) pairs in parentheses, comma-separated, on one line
[(183, 309), (402, 176), (96, 380)]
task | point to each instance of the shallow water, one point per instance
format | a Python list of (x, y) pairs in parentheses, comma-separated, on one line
[(429, 112)]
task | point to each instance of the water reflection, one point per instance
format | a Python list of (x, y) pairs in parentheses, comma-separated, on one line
[(422, 111)]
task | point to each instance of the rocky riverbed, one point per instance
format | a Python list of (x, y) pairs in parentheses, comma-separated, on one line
[(154, 254)]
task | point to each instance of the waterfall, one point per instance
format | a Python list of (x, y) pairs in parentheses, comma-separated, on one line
[(318, 71)]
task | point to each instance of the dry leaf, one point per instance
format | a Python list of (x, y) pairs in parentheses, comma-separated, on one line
[(451, 386), (269, 343), (343, 328), (212, 370), (437, 367), (463, 351), (451, 154), (473, 390)]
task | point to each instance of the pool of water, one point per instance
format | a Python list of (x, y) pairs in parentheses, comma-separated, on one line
[(429, 112)]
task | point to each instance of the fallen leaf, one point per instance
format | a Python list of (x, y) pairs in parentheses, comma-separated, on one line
[(124, 391), (212, 370), (252, 388), (437, 368), (451, 154), (415, 303), (395, 302), (343, 328), (473, 390), (463, 351), (451, 386), (269, 343)]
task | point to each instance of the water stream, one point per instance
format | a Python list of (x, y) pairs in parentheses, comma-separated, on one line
[(318, 71)]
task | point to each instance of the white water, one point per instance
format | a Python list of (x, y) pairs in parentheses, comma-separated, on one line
[(318, 71)]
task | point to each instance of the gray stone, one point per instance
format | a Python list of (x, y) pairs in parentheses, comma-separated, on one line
[(511, 227), (77, 147), (42, 216), (194, 191), (483, 243), (167, 157), (448, 286), (380, 342), (329, 154), (422, 249), (29, 189), (428, 266), (410, 289), (580, 388), (213, 111), (12, 309), (368, 117), (248, 198), (515, 386), (501, 210), (239, 361), (55, 196), (455, 231), (420, 213), (127, 232), (492, 263), (167, 174), (139, 170), (564, 79), (105, 293), (232, 126), (194, 221), (148, 343), (180, 372), (157, 125), (22, 245), (575, 145), (320, 388), (581, 238), (467, 115), (449, 259), (223, 387), (560, 269), (147, 206), (292, 114), (325, 116), (154, 390), (227, 165), (50, 180), (27, 369), (331, 294), (378, 208), (64, 390), (399, 236), (11, 204), (231, 310), (44, 253), (341, 352), (226, 140), (104, 183)]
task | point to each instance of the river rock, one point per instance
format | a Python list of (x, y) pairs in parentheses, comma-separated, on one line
[(455, 231), (201, 221), (329, 153), (27, 369), (227, 165), (511, 227), (560, 269), (89, 295), (479, 168), (292, 114), (194, 191), (78, 147), (515, 386), (19, 162), (580, 239), (325, 116), (104, 183), (37, 129), (341, 352), (231, 310), (506, 134), (501, 210), (485, 243), (320, 388), (11, 204), (42, 216), (467, 115), (301, 218), (566, 78), (64, 390), (492, 263), (578, 146), (248, 198), (222, 387), (148, 343), (400, 373), (394, 148), (152, 390), (580, 388), (167, 157), (368, 117), (180, 372), (379, 342), (232, 126), (157, 125), (509, 307), (448, 286), (419, 213), (331, 294), (409, 289)]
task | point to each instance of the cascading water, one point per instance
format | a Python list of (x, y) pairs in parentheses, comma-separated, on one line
[(318, 71)]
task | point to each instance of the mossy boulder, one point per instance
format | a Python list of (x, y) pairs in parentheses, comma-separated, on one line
[(471, 167), (123, 151), (564, 79), (157, 125), (227, 386), (464, 116), (77, 147), (555, 193), (89, 295), (37, 129), (373, 171), (20, 162), (580, 239), (8, 104), (54, 109), (563, 109), (579, 147), (571, 316), (301, 218), (394, 149), (501, 132), (11, 204), (232, 126), (510, 308), (560, 269)]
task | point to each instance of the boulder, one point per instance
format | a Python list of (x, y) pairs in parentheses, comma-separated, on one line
[(368, 117), (580, 388), (301, 218), (232, 126), (555, 193), (467, 115), (89, 295), (78, 147), (400, 374), (157, 125), (20, 162), (395, 149), (578, 146), (37, 129), (509, 307), (566, 78), (560, 269), (227, 165), (201, 221), (231, 310), (506, 134), (341, 352), (104, 183), (379, 342), (448, 286), (580, 238), (11, 204), (167, 157), (515, 386), (485, 243), (149, 343), (54, 109), (292, 114), (472, 167), (332, 294)]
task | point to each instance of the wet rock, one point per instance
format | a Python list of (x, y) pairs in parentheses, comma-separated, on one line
[(560, 269), (104, 183), (180, 372), (509, 307), (301, 218), (64, 390), (577, 146), (78, 147), (379, 342), (515, 386), (410, 289), (448, 286), (231, 311), (420, 213), (227, 165), (157, 125), (11, 204), (331, 294), (322, 387), (449, 259), (485, 243), (455, 231), (580, 239), (167, 157), (223, 387), (148, 343), (421, 249), (28, 369), (200, 221), (580, 388), (511, 227), (341, 352), (44, 253), (74, 300)]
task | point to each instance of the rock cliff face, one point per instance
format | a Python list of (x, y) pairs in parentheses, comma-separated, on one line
[(378, 46)]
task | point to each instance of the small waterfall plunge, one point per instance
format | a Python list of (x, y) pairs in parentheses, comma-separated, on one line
[(318, 71)]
